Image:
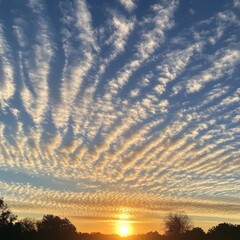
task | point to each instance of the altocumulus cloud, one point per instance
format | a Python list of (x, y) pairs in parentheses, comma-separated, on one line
[(131, 104)]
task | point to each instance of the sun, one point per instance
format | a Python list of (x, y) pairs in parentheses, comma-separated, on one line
[(124, 228)]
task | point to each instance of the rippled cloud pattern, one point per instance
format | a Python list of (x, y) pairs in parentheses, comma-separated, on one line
[(108, 107)]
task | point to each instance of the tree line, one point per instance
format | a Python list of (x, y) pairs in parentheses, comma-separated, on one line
[(177, 227)]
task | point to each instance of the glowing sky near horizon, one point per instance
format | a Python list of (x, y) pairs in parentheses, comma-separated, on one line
[(120, 110)]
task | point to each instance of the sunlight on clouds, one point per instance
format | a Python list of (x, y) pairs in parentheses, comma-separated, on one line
[(120, 113)]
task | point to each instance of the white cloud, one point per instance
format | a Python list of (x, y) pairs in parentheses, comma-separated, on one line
[(84, 24), (135, 93), (128, 4), (149, 42), (236, 3), (6, 65), (35, 63), (121, 30), (19, 32), (235, 98), (221, 65), (138, 132), (83, 59)]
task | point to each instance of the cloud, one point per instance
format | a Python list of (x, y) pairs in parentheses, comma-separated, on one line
[(128, 4), (77, 64), (150, 41), (236, 3), (94, 103), (35, 63), (234, 98), (222, 65), (122, 28), (7, 69), (72, 204)]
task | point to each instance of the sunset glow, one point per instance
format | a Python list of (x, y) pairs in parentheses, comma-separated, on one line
[(114, 113), (124, 228)]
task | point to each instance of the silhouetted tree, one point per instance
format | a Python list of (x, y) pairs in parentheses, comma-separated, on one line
[(27, 225), (176, 225), (224, 231), (26, 229), (195, 234), (152, 236), (55, 228), (7, 219), (6, 216)]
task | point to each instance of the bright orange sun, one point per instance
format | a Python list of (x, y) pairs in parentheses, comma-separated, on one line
[(124, 228)]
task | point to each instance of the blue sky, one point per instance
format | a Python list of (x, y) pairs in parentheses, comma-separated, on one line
[(121, 109)]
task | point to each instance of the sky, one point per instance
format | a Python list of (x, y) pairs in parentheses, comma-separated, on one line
[(120, 110)]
